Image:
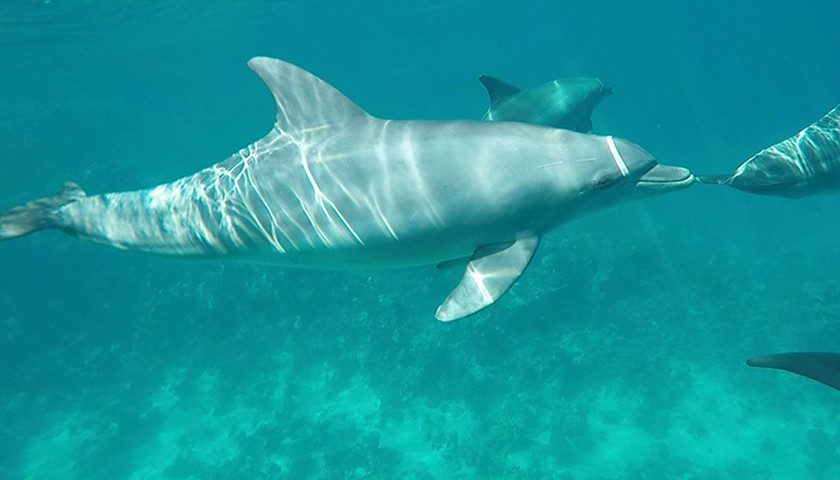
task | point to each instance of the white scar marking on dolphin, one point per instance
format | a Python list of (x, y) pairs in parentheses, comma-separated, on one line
[(561, 162)]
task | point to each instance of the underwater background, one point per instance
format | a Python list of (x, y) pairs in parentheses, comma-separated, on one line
[(618, 355)]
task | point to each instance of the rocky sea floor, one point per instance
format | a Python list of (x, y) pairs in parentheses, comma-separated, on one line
[(611, 358)]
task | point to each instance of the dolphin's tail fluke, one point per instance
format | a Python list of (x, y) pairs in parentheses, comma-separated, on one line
[(713, 179), (38, 214)]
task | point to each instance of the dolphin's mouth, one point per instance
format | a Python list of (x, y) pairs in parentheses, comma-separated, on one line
[(665, 177)]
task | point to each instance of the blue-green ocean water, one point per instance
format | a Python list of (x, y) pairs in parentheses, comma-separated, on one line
[(618, 355)]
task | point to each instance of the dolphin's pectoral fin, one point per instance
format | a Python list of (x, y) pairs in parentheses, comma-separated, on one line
[(488, 276), (498, 90), (304, 102)]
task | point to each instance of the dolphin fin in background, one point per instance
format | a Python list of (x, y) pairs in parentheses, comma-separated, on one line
[(819, 366), (565, 103), (488, 277), (499, 90)]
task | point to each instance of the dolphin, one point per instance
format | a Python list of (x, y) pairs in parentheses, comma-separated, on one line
[(331, 186), (565, 103), (805, 164), (822, 367)]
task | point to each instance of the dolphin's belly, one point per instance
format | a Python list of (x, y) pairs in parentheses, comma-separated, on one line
[(388, 194)]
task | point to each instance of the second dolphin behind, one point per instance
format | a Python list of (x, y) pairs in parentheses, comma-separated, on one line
[(564, 103), (805, 164)]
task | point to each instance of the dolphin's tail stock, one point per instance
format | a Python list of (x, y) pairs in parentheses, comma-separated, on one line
[(38, 214)]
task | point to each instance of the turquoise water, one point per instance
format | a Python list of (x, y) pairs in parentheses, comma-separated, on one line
[(618, 355)]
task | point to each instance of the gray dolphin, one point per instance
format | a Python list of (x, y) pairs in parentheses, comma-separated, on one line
[(804, 164), (565, 103), (331, 186), (819, 366)]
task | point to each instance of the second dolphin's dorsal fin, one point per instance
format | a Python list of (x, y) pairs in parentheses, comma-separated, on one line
[(304, 102), (499, 90)]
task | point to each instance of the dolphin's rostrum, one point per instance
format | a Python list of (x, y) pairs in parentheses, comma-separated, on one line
[(331, 186)]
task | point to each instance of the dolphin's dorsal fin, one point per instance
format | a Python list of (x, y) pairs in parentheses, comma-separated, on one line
[(304, 102), (499, 90), (489, 275)]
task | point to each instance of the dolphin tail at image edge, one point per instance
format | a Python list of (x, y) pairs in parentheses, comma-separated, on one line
[(819, 366), (38, 214)]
